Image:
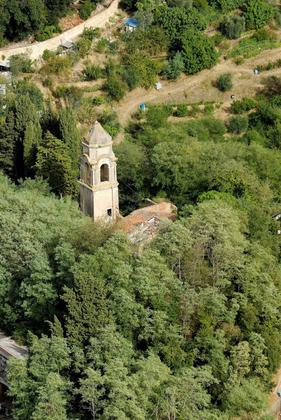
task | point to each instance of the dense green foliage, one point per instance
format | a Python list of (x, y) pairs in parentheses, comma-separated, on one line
[(238, 124), (185, 326), (18, 19), (198, 52), (224, 82), (177, 28), (233, 27), (174, 67), (177, 20), (258, 13), (92, 72), (86, 9), (29, 275), (200, 303), (192, 315), (36, 141), (173, 151)]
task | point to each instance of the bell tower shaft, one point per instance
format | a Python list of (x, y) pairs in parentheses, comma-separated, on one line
[(99, 197)]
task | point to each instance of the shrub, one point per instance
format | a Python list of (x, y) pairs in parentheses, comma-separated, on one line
[(84, 46), (208, 109), (206, 129), (112, 48), (177, 20), (264, 35), (238, 61), (216, 128), (253, 136), (115, 87), (232, 27), (174, 67), (48, 83), (181, 111), (72, 94), (276, 101), (245, 105), (277, 17), (92, 72), (27, 88), (20, 63), (217, 39), (131, 78), (194, 110), (142, 69), (157, 115), (91, 33), (152, 40), (226, 5), (224, 82), (86, 9), (98, 100), (58, 65), (47, 54), (46, 33), (198, 52), (102, 45), (110, 122), (237, 125), (258, 13)]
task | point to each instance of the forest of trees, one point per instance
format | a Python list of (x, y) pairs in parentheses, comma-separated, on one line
[(188, 328), (19, 19), (37, 142)]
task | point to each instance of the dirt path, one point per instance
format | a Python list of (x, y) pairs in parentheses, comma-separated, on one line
[(36, 49), (199, 87), (274, 401)]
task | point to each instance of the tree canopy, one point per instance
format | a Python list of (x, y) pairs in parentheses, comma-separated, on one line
[(185, 325)]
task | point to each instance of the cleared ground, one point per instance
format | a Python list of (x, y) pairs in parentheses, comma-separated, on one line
[(197, 88)]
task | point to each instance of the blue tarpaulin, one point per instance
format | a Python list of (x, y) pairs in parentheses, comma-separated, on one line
[(134, 23)]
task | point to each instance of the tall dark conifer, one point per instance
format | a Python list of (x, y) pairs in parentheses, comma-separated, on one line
[(7, 145)]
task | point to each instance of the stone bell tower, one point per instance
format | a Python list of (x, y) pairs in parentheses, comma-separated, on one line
[(98, 177)]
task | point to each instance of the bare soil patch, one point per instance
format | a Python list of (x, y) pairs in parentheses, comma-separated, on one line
[(68, 22)]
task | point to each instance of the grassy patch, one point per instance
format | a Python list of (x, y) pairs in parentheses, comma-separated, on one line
[(270, 66), (250, 47)]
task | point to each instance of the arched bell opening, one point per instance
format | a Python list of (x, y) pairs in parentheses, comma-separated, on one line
[(104, 173)]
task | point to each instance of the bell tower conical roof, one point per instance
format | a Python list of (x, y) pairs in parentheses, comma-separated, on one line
[(98, 136)]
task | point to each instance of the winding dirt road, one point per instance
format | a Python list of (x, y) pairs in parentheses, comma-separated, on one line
[(199, 87), (36, 49)]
